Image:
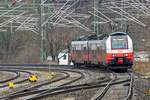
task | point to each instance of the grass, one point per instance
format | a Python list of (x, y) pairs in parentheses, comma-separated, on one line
[(1, 76), (141, 67), (42, 77), (5, 76)]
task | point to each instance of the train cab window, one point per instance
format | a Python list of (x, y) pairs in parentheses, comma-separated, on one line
[(119, 42)]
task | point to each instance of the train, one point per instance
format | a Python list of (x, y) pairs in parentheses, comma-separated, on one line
[(113, 51)]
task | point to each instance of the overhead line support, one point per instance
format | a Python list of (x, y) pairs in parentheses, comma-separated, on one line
[(123, 20), (96, 25), (43, 32)]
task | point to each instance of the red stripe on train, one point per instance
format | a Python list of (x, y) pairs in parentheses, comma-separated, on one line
[(113, 55)]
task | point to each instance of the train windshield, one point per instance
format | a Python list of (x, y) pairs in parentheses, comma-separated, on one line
[(119, 42)]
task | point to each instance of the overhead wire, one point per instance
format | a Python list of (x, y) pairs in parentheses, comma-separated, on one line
[(130, 16)]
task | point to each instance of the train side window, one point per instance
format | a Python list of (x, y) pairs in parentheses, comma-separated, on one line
[(93, 46), (79, 53), (81, 46), (84, 50), (74, 47), (94, 53), (78, 47), (89, 47), (98, 50)]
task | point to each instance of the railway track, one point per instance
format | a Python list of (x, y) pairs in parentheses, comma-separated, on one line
[(17, 74), (107, 87), (108, 83), (130, 89), (67, 89), (15, 79), (117, 92), (34, 89)]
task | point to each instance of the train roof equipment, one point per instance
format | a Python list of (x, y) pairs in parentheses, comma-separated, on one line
[(91, 37)]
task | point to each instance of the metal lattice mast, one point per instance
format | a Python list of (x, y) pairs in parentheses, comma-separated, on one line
[(34, 5), (7, 3), (49, 14), (96, 26), (43, 32), (35, 9), (11, 24), (123, 20)]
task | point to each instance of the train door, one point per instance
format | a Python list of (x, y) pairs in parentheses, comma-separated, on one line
[(99, 53), (85, 52), (78, 57), (92, 52)]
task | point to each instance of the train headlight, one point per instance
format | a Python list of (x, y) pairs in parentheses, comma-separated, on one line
[(126, 55), (114, 55)]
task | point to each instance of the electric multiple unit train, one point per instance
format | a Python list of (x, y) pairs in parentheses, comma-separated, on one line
[(114, 50)]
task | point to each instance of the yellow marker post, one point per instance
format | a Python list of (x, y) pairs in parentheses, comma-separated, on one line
[(34, 78), (11, 84), (149, 92), (52, 73), (30, 78)]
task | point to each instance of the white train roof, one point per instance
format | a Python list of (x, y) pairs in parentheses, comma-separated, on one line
[(95, 41), (79, 42), (118, 33)]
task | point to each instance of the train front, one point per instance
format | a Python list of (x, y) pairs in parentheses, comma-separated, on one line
[(119, 50)]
